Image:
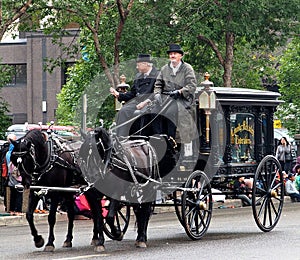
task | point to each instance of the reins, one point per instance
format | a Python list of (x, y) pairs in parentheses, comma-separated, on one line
[(167, 103)]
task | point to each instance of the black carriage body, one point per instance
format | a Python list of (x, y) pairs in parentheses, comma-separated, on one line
[(241, 134)]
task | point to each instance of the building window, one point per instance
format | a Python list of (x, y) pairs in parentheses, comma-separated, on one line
[(19, 75), (64, 72)]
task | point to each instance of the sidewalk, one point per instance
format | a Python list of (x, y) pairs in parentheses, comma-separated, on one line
[(7, 220)]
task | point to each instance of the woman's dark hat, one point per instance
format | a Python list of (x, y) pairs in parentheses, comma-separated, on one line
[(175, 48), (144, 58)]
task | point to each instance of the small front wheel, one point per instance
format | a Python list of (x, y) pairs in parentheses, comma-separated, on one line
[(197, 205), (121, 220)]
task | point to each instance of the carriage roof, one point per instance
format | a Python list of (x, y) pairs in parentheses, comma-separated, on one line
[(245, 96)]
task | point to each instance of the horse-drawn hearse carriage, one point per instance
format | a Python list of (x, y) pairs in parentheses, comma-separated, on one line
[(233, 139)]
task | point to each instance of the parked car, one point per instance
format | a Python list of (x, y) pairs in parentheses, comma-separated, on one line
[(66, 132), (21, 129)]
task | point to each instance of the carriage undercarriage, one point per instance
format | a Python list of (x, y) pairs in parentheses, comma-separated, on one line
[(192, 198)]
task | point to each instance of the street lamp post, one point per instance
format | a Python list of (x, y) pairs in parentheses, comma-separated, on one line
[(207, 102)]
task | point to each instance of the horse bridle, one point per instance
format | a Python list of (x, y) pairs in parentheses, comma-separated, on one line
[(31, 151), (20, 155)]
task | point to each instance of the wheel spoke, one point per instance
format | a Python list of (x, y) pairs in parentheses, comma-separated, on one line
[(268, 193), (196, 205)]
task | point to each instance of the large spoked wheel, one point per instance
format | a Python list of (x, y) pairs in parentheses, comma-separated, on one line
[(121, 221), (268, 193), (197, 205)]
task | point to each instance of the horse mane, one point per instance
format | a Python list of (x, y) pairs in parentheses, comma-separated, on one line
[(102, 133), (35, 136)]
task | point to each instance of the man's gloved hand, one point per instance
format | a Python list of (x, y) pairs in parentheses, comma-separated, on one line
[(157, 98), (175, 94)]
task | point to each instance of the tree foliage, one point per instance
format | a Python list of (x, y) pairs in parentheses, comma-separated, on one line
[(288, 75), (224, 25), (233, 40), (5, 77), (10, 13)]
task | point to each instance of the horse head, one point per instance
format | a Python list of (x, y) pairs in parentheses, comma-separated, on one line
[(30, 153)]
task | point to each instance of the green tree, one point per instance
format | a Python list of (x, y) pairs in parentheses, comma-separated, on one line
[(10, 13), (5, 121), (230, 39), (288, 76), (107, 42), (224, 25)]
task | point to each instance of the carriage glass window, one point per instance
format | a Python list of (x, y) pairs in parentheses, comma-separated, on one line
[(242, 137)]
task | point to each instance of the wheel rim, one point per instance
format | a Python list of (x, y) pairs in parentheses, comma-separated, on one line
[(177, 197), (121, 221), (268, 193), (197, 205)]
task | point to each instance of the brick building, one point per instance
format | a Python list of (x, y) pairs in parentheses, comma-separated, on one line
[(31, 95)]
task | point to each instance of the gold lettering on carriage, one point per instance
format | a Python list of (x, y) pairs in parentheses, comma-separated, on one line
[(240, 128)]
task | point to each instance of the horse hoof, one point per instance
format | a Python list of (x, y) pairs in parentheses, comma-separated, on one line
[(99, 249), (49, 249), (39, 243), (140, 244), (94, 242), (67, 244)]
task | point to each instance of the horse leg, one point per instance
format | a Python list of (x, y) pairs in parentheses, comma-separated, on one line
[(96, 208), (71, 214), (110, 219), (32, 203), (142, 212), (95, 237), (51, 221)]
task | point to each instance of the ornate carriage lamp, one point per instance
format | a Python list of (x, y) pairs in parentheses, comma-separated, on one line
[(122, 87), (207, 102)]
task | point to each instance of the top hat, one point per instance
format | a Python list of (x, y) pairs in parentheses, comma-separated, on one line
[(144, 58), (175, 48)]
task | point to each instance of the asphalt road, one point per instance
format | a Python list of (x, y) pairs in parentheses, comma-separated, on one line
[(233, 234)]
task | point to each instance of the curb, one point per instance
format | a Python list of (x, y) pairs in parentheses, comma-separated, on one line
[(21, 220)]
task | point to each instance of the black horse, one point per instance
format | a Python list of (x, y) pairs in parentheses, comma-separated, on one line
[(126, 168), (41, 164)]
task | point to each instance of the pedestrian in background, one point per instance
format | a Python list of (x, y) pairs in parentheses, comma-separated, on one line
[(290, 188), (296, 171), (14, 178), (284, 155), (297, 165)]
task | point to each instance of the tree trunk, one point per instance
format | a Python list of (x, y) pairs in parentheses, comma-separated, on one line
[(228, 64)]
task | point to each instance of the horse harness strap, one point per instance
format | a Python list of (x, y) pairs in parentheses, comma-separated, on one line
[(53, 159), (125, 158)]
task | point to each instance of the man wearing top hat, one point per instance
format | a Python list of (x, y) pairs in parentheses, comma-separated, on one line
[(137, 97), (176, 79)]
